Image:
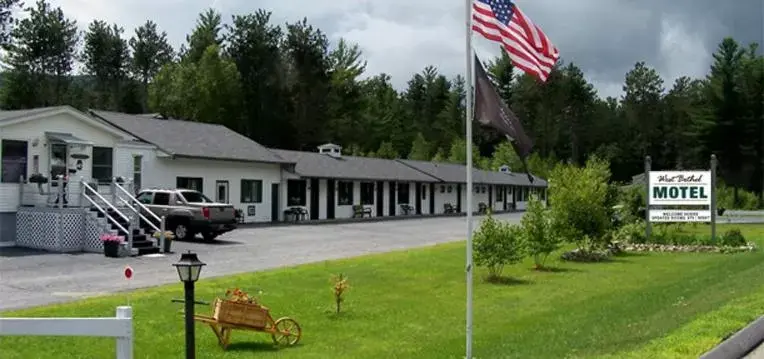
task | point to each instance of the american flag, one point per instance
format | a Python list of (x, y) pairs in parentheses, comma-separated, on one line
[(528, 47)]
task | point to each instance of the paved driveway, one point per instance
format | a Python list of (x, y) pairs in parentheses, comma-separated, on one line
[(29, 278)]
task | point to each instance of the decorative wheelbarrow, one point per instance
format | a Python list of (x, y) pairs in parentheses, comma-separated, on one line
[(231, 315)]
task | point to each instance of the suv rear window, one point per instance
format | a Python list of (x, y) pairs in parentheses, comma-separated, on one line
[(194, 197)]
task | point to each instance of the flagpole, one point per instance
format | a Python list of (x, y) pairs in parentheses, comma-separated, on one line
[(468, 130)]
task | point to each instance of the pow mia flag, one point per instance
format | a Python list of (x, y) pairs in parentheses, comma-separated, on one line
[(491, 111)]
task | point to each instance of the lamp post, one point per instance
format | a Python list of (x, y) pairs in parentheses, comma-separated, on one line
[(189, 267)]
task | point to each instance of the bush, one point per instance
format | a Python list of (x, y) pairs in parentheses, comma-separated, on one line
[(725, 197), (633, 232), (497, 244), (541, 241), (733, 238), (581, 198), (631, 199)]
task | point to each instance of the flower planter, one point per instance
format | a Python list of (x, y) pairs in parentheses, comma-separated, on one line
[(111, 249), (167, 245)]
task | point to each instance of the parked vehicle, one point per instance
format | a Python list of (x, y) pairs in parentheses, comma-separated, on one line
[(188, 212)]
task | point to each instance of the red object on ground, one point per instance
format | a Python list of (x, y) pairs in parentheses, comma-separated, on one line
[(128, 272)]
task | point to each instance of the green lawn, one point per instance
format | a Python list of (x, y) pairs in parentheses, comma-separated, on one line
[(411, 305)]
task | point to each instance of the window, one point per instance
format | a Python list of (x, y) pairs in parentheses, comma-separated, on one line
[(194, 183), (403, 193), (450, 189), (144, 198), (162, 199), (251, 191), (442, 189), (367, 193), (102, 164), (194, 197), (14, 162), (297, 192), (345, 192), (482, 189), (137, 170)]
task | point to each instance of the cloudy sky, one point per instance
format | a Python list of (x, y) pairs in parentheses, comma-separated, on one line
[(400, 37)]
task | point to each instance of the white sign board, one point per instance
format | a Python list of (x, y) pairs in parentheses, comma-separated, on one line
[(678, 215), (672, 188)]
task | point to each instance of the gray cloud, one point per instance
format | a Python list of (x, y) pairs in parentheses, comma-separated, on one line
[(399, 37)]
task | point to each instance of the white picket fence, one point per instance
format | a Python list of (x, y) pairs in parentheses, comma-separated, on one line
[(119, 327)]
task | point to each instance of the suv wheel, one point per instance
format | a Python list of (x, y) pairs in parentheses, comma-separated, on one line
[(181, 231)]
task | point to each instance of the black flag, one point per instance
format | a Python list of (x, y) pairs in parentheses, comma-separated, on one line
[(490, 110)]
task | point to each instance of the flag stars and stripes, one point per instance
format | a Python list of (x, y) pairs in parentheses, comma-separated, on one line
[(528, 47)]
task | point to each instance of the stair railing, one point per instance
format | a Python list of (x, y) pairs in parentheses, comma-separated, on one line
[(139, 213), (85, 188)]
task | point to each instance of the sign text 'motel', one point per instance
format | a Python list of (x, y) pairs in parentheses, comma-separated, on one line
[(674, 192), (680, 188)]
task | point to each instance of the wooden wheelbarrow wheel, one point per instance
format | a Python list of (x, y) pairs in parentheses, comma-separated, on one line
[(286, 331)]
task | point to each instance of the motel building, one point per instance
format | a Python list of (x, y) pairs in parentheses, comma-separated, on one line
[(51, 155)]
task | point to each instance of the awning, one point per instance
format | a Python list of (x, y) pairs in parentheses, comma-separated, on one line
[(67, 138)]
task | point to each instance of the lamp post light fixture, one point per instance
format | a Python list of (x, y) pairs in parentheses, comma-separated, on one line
[(189, 266)]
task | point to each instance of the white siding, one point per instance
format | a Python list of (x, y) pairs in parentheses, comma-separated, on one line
[(443, 196), (34, 130), (167, 170)]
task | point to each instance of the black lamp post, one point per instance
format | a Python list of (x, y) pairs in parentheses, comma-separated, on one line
[(189, 267)]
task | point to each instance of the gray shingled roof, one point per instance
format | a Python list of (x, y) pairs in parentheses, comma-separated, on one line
[(191, 139), (14, 114), (314, 164), (451, 172), (456, 173)]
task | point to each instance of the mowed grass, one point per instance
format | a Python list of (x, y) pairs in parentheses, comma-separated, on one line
[(411, 304)]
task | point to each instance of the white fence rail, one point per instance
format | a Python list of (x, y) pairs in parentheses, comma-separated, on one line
[(119, 327)]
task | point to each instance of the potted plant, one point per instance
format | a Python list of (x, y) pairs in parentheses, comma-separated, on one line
[(111, 243), (168, 238)]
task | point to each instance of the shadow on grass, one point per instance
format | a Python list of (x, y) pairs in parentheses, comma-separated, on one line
[(253, 347), (555, 270), (502, 280)]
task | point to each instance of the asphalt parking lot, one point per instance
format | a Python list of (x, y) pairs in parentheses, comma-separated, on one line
[(31, 278)]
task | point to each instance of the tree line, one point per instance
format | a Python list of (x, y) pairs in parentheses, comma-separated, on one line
[(287, 86)]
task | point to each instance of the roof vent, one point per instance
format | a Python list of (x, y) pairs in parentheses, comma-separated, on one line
[(331, 150), (504, 169)]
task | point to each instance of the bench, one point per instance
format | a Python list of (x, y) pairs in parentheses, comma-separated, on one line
[(406, 208), (361, 211), (482, 208), (448, 208)]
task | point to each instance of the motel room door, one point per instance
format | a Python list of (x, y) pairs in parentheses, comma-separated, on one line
[(380, 199), (274, 202), (314, 198), (330, 196), (391, 205)]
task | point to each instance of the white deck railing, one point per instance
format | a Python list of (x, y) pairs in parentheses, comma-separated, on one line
[(119, 327)]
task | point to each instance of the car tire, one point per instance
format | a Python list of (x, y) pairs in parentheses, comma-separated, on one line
[(209, 236), (181, 231)]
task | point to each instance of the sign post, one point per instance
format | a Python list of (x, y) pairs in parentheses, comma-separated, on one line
[(713, 198), (648, 166), (128, 276)]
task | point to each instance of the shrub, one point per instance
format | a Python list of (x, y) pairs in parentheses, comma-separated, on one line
[(497, 244), (339, 287), (633, 232), (725, 197), (733, 238), (631, 198), (541, 241), (580, 198)]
